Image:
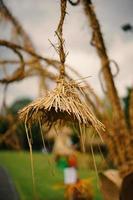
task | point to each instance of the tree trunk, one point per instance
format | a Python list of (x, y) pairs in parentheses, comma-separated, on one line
[(131, 110), (120, 139)]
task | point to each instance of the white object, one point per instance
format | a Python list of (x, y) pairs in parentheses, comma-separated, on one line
[(70, 175)]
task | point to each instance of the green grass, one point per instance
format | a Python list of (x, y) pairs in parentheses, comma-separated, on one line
[(47, 176)]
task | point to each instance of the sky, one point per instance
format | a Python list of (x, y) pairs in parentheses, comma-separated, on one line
[(40, 18)]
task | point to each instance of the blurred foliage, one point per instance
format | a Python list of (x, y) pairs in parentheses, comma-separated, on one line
[(3, 125), (18, 104), (11, 118), (126, 101)]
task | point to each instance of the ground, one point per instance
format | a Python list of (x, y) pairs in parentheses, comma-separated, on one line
[(48, 177)]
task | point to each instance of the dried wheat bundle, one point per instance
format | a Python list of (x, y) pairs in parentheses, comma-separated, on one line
[(61, 104)]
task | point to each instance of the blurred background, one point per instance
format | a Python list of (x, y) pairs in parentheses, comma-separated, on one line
[(40, 22), (32, 24)]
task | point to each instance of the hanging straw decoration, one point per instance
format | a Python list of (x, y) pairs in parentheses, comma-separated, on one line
[(63, 104)]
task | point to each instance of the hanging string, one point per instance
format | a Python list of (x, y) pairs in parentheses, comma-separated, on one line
[(31, 161), (59, 33), (94, 161), (82, 138), (44, 146), (42, 136)]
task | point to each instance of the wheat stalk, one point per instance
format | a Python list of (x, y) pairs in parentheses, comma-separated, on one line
[(61, 104)]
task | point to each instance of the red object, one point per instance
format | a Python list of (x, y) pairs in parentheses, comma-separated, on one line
[(72, 161)]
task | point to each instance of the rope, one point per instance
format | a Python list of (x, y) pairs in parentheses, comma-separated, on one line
[(59, 33)]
